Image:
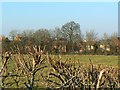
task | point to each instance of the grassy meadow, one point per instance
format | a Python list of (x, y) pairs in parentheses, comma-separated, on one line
[(109, 60)]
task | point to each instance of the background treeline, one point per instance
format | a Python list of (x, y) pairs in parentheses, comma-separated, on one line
[(67, 39)]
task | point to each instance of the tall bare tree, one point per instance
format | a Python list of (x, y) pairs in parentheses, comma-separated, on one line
[(91, 36)]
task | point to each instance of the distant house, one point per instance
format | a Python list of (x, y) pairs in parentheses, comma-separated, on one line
[(81, 47), (108, 48), (61, 45), (1, 38), (89, 47), (105, 47), (102, 46)]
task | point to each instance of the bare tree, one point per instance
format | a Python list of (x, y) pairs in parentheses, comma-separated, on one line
[(91, 37), (25, 67), (27, 33), (13, 34)]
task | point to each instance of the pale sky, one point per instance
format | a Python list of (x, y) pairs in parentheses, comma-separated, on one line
[(99, 16)]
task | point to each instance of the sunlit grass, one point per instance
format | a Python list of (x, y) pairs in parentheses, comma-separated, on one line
[(96, 59)]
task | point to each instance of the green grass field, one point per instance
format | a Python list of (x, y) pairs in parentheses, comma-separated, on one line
[(96, 59)]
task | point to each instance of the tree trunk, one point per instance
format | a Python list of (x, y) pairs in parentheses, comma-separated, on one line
[(32, 80)]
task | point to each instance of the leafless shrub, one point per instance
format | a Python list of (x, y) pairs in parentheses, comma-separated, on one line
[(25, 67), (78, 76)]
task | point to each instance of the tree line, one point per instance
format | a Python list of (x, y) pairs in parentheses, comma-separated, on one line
[(67, 39)]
